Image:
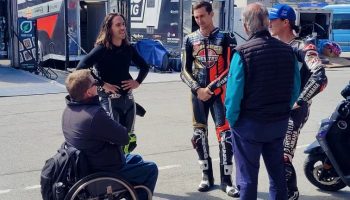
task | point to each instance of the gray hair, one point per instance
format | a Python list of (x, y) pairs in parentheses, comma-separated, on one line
[(255, 18)]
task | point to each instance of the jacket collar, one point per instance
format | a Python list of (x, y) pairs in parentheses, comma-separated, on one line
[(91, 101), (213, 32), (263, 33)]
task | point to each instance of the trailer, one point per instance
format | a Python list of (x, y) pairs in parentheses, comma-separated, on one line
[(84, 19), (169, 21)]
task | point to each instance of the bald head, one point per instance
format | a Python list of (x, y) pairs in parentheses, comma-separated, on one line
[(255, 18)]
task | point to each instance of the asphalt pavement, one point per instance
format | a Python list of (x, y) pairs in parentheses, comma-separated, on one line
[(30, 133)]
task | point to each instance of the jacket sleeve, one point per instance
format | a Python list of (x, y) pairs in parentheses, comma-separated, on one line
[(235, 90), (90, 60), (318, 79), (187, 62), (141, 63), (296, 83), (229, 45), (108, 130)]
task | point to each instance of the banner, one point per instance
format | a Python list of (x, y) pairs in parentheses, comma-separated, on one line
[(27, 41)]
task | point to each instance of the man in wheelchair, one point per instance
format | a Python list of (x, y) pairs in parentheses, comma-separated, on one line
[(87, 127)]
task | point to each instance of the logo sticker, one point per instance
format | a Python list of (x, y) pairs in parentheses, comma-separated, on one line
[(26, 26), (212, 58)]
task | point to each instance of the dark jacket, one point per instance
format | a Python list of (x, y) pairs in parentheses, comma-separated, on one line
[(269, 76), (87, 127)]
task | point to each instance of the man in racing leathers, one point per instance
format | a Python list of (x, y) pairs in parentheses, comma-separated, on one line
[(206, 58), (313, 80)]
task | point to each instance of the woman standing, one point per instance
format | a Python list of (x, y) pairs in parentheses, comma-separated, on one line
[(111, 59)]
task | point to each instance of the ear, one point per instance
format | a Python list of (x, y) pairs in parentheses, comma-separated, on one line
[(211, 14), (245, 28), (88, 93), (286, 22)]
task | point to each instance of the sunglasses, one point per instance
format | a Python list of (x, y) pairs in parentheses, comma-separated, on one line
[(94, 83)]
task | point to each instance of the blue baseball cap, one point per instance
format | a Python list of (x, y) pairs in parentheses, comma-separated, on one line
[(282, 11)]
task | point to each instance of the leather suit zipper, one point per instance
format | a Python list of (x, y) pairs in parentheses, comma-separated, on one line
[(206, 44)]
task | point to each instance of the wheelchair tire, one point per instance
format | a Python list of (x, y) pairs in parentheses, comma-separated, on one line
[(87, 187)]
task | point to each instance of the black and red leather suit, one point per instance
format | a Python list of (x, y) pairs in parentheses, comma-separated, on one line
[(313, 81), (206, 62)]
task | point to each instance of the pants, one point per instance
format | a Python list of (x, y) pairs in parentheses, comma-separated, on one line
[(296, 121), (139, 172), (122, 108), (200, 136), (250, 140)]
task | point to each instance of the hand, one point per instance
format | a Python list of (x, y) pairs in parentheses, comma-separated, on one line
[(130, 84), (204, 94), (295, 106), (110, 89)]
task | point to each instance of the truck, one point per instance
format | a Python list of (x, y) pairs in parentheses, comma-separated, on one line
[(314, 22), (340, 25), (323, 24)]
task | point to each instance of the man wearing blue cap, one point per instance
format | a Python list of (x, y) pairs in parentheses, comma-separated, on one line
[(313, 80)]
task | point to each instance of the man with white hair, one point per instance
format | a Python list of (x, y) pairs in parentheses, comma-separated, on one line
[(262, 87)]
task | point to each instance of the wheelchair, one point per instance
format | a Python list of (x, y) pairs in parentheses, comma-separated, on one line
[(105, 186)]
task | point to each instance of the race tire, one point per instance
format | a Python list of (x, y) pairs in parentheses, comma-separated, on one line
[(312, 168)]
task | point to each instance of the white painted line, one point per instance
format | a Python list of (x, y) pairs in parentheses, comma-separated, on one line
[(32, 187), (169, 167), (302, 146), (215, 159), (4, 191)]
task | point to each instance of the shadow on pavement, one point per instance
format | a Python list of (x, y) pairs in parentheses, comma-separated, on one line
[(190, 196), (333, 195)]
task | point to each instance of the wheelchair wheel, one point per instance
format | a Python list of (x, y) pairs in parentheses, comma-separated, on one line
[(101, 186)]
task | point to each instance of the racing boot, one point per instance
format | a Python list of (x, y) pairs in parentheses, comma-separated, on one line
[(292, 189), (226, 181), (207, 181), (226, 154)]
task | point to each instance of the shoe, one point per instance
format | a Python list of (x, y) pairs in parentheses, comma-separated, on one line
[(293, 195), (231, 191), (206, 184), (226, 181)]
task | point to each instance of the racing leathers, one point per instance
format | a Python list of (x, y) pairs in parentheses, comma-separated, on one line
[(313, 81), (206, 61)]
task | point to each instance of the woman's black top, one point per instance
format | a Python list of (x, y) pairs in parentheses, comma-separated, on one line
[(112, 65)]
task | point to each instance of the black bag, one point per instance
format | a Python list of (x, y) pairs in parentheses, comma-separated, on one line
[(61, 172)]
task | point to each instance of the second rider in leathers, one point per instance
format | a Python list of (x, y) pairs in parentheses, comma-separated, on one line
[(313, 80), (206, 58)]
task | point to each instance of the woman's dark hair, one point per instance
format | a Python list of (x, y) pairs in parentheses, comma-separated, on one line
[(105, 35)]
